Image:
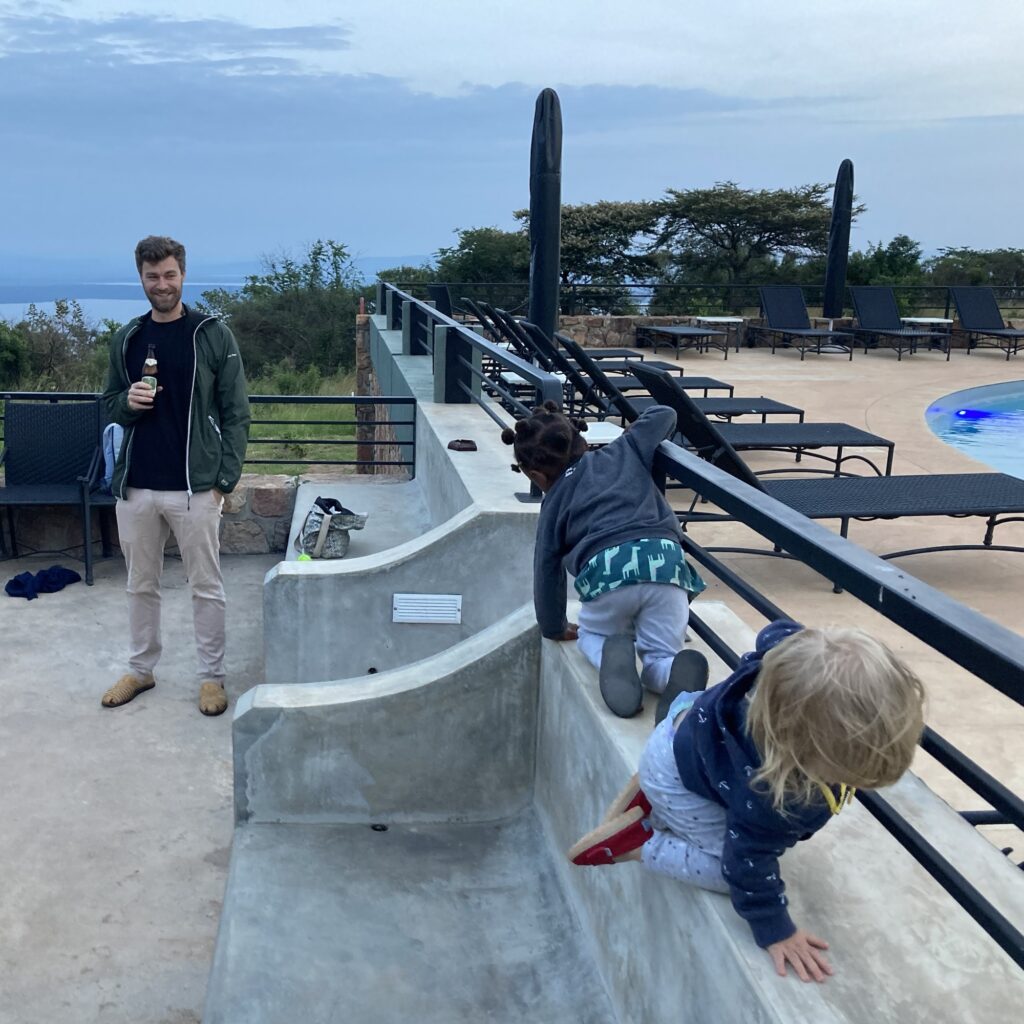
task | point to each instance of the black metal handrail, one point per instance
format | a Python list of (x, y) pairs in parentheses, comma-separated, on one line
[(991, 652), (452, 346), (407, 443)]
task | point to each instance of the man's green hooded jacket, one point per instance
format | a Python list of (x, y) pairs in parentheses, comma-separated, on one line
[(218, 428)]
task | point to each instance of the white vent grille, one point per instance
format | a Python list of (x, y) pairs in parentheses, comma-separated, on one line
[(427, 608)]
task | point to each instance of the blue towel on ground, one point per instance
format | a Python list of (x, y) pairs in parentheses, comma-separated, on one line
[(46, 581)]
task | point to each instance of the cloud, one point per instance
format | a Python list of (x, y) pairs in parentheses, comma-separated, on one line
[(224, 44), (244, 137)]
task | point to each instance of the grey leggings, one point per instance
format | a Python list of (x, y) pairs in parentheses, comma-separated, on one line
[(689, 831), (655, 614)]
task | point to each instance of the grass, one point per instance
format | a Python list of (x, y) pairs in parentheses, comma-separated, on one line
[(312, 435)]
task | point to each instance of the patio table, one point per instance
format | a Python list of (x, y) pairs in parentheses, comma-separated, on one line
[(682, 337)]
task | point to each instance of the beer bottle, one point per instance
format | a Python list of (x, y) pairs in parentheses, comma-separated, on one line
[(149, 368)]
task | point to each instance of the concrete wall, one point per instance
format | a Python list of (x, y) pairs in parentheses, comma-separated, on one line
[(902, 950), (327, 620), (449, 739), (333, 619)]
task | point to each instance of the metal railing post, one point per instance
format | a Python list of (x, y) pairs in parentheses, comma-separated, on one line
[(451, 353), (408, 344), (379, 306)]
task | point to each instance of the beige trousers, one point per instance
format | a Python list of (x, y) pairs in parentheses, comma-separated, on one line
[(145, 519)]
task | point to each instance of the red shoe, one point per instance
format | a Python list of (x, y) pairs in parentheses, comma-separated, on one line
[(611, 839), (631, 796)]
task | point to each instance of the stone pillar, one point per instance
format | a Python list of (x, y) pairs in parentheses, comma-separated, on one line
[(366, 384)]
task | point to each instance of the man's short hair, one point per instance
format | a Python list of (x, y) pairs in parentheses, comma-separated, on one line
[(156, 248)]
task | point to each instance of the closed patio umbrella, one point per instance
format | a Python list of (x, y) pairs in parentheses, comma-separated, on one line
[(545, 211), (838, 241)]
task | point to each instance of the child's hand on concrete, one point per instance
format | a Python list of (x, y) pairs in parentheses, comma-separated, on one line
[(801, 950), (572, 633)]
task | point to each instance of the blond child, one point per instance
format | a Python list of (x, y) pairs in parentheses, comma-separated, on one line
[(734, 776)]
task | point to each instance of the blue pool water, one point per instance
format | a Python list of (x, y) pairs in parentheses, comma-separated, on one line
[(986, 423)]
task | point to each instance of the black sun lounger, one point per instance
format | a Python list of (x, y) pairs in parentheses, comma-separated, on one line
[(980, 318), (995, 497), (879, 323), (798, 438), (787, 323)]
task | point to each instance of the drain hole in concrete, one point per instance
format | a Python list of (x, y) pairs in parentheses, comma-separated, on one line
[(379, 828), (371, 671)]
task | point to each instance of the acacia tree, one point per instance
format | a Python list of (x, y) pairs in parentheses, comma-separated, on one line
[(604, 246), (727, 230), (485, 254)]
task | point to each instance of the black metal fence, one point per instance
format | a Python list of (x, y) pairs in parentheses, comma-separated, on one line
[(981, 646), (297, 431), (641, 298), (460, 355)]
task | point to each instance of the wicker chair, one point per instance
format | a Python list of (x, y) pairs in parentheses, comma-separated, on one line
[(51, 456)]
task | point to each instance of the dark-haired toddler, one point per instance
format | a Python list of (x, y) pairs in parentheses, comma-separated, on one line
[(604, 520)]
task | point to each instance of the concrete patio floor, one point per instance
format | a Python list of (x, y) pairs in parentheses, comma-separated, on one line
[(117, 824)]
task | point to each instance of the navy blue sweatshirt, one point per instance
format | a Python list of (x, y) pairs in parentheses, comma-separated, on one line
[(716, 759), (605, 498)]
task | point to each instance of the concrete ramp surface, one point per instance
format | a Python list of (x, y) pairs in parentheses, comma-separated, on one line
[(485, 762), (427, 923)]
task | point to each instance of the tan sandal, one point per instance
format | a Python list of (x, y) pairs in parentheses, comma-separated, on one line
[(127, 688), (212, 699), (631, 796)]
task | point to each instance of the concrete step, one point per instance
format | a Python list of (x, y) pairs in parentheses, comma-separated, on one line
[(432, 923)]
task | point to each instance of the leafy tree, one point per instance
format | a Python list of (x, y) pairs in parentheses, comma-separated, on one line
[(899, 262), (13, 357), (977, 266), (61, 346), (299, 310), (485, 255), (425, 274), (727, 230), (604, 246)]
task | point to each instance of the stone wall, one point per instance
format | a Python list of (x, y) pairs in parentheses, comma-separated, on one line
[(257, 519), (612, 331)]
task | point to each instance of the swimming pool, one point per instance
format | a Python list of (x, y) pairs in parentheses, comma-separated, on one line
[(986, 423)]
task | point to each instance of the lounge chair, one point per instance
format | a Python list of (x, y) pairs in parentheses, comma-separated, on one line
[(879, 323), (980, 318), (52, 456), (995, 497), (786, 322), (632, 406), (796, 438)]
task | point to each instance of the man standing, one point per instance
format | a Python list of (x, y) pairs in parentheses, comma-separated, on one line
[(183, 450)]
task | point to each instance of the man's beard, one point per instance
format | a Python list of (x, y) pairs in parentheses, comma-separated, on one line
[(164, 303)]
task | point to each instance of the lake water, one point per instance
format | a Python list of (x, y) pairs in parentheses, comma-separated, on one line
[(104, 300), (986, 423)]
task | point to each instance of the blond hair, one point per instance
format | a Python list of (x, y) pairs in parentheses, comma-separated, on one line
[(832, 706)]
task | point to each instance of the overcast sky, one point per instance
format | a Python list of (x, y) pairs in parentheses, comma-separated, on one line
[(386, 125)]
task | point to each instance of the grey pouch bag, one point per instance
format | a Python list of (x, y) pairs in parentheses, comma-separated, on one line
[(325, 530)]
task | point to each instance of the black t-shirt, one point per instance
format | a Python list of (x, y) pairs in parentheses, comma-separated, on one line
[(160, 442)]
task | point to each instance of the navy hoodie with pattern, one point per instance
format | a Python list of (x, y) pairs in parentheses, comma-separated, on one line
[(716, 759)]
